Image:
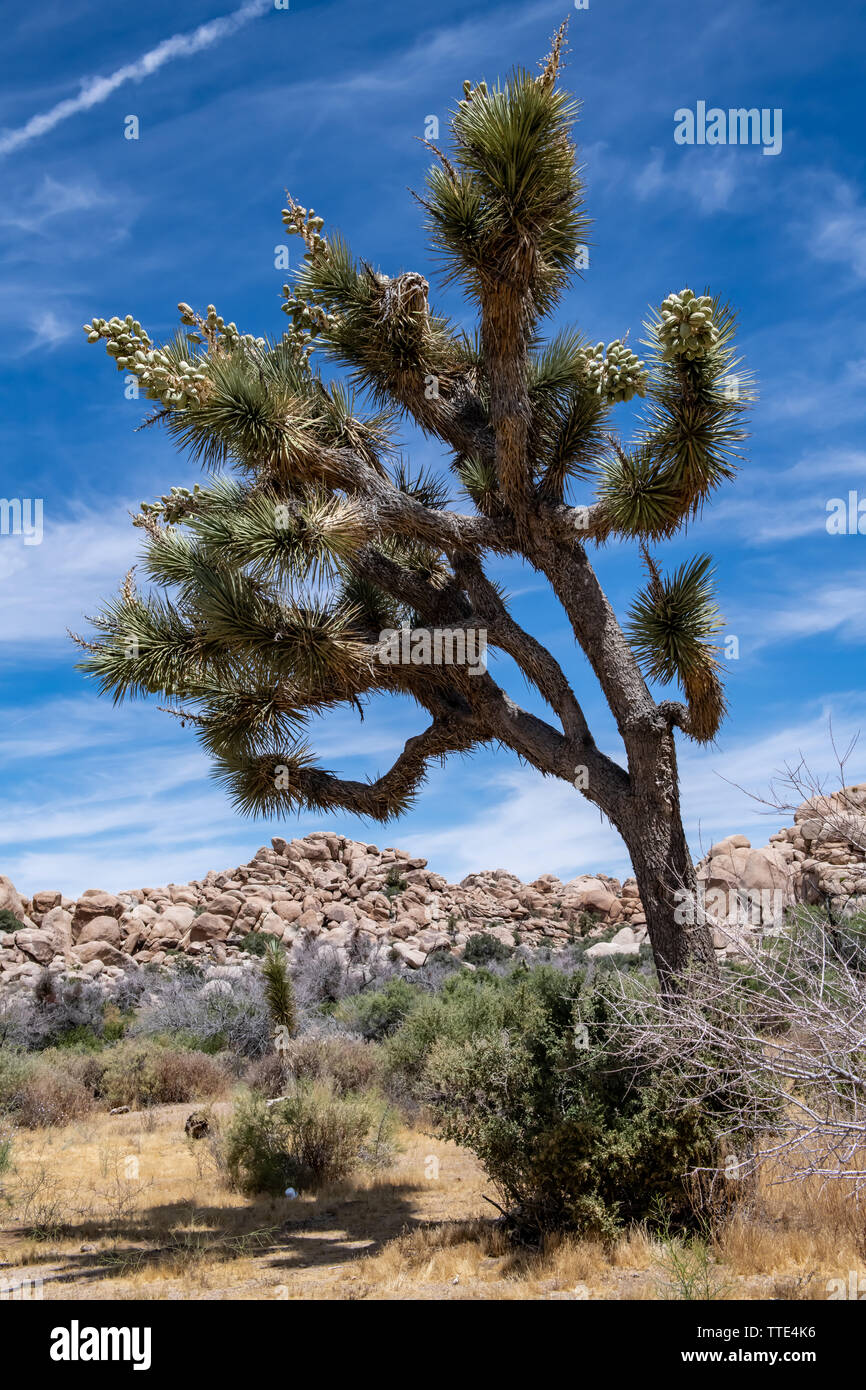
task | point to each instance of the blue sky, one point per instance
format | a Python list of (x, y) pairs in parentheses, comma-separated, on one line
[(327, 99)]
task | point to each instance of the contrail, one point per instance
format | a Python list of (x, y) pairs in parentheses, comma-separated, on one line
[(99, 89)]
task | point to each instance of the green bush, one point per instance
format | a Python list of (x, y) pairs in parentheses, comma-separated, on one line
[(256, 943), (395, 883), (327, 1132), (377, 1013), (528, 1072), (467, 1005), (255, 1147), (8, 920), (482, 949), (312, 1138)]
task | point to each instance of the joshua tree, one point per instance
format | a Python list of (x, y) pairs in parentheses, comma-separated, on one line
[(274, 591)]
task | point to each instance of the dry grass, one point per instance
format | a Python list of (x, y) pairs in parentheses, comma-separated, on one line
[(127, 1207)]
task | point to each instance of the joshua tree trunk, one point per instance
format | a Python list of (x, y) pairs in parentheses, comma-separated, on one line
[(653, 832), (645, 806)]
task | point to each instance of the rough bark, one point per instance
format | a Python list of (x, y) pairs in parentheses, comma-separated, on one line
[(652, 828)]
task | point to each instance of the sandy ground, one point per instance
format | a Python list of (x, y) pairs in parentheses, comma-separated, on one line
[(126, 1207)]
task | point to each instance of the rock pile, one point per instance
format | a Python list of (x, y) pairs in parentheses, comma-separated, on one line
[(819, 860), (331, 887)]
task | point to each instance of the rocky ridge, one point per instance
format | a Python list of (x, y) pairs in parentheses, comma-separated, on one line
[(331, 887)]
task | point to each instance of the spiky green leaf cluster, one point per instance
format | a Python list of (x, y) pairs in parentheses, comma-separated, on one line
[(690, 439), (673, 622), (508, 198)]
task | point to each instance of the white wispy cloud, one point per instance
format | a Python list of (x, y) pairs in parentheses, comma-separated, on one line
[(49, 329), (816, 609), (48, 587), (120, 796), (842, 462), (839, 231), (710, 185), (96, 90), (51, 199)]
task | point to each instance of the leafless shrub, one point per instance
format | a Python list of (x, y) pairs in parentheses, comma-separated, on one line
[(778, 1043), (236, 1020), (324, 974), (41, 1205), (121, 1188), (55, 1009)]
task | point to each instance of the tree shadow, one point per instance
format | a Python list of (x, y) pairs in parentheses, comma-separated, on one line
[(334, 1227)]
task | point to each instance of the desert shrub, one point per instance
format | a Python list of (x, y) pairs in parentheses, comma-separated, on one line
[(481, 949), (84, 1063), (326, 1132), (254, 1148), (395, 883), (312, 1138), (528, 1072), (323, 974), (235, 1019), (467, 1004), (436, 969), (8, 920), (141, 1073), (256, 943), (812, 949), (7, 1135), (266, 1076), (320, 973), (59, 1011), (347, 1064), (128, 990), (376, 1013), (36, 1094)]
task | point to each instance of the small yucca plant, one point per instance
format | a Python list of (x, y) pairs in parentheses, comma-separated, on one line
[(279, 991)]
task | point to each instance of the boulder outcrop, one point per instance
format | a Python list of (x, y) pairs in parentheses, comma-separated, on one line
[(333, 888)]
